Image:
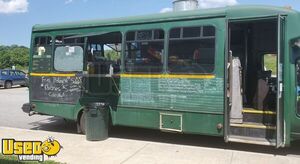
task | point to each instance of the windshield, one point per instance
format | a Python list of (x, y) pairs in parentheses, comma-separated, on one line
[(68, 58)]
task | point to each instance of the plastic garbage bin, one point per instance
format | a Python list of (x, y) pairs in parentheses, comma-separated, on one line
[(96, 121)]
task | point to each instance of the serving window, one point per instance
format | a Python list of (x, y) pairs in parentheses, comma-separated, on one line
[(144, 51), (42, 52), (68, 54), (192, 50)]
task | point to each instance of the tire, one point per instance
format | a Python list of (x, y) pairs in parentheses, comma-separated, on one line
[(82, 123), (8, 85)]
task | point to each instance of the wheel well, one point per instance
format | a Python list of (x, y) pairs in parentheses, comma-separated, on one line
[(80, 112), (8, 81), (79, 115)]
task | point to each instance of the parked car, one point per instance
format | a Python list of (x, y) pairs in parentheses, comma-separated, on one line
[(9, 78)]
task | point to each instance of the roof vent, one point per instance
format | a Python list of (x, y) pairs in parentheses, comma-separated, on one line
[(183, 5), (288, 7)]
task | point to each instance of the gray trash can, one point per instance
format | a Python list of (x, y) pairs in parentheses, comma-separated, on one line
[(96, 121)]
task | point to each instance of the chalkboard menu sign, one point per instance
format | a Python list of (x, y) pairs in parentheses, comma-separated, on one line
[(41, 61), (41, 64), (183, 94), (56, 89)]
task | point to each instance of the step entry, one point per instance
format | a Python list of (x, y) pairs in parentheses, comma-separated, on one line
[(254, 80)]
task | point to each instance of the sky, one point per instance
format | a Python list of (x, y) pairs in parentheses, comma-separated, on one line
[(18, 16)]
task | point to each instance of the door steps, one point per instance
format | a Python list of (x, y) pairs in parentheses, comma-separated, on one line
[(257, 125), (259, 116), (253, 130), (252, 140)]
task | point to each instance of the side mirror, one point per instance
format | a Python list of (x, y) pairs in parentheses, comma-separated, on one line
[(297, 43), (295, 50)]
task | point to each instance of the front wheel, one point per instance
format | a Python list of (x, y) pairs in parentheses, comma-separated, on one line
[(8, 85)]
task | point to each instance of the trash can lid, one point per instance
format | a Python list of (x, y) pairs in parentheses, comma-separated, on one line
[(96, 105)]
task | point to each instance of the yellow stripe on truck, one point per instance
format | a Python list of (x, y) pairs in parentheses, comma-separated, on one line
[(135, 76), (53, 74), (167, 76)]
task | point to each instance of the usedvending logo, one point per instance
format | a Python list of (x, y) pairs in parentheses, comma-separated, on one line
[(31, 150)]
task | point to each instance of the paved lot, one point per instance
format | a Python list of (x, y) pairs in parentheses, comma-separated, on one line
[(125, 149), (131, 145), (11, 101)]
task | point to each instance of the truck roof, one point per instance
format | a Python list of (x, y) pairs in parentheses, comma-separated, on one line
[(232, 12)]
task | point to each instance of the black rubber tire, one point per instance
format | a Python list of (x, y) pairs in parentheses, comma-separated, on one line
[(82, 123), (8, 85)]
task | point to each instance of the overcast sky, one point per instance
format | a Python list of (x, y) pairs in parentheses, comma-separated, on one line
[(18, 16)]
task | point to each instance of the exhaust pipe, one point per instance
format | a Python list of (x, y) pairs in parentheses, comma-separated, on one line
[(184, 5)]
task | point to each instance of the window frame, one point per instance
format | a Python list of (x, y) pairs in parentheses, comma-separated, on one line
[(215, 37), (123, 68), (33, 51), (63, 44), (83, 54)]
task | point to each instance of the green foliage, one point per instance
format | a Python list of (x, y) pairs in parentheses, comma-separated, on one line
[(112, 55), (14, 56), (14, 160), (270, 63)]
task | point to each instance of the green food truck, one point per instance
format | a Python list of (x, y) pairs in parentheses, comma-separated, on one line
[(232, 72)]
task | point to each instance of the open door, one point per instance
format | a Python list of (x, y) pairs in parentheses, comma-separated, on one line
[(280, 57), (228, 59), (254, 97)]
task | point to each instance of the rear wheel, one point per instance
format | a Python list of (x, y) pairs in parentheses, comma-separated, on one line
[(8, 85), (82, 123)]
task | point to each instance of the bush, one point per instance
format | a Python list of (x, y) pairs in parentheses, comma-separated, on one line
[(14, 56)]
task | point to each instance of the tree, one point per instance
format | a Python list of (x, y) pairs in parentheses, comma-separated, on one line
[(14, 56)]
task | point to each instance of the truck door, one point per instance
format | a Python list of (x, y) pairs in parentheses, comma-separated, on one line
[(280, 119)]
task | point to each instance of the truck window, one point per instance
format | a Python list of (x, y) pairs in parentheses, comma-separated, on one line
[(42, 47), (68, 58), (68, 54), (144, 51), (104, 53), (270, 63), (192, 50)]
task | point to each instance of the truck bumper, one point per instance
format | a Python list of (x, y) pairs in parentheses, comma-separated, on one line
[(27, 108)]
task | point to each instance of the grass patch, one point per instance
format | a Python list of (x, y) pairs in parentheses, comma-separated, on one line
[(270, 63), (9, 159)]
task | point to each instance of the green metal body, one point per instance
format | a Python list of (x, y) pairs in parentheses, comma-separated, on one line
[(160, 107)]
